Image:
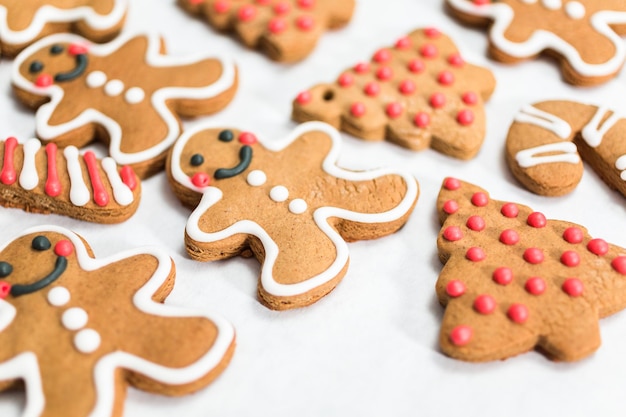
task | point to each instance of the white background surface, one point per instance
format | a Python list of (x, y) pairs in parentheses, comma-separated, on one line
[(370, 347)]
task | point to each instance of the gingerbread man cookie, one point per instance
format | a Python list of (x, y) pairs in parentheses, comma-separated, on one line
[(285, 202), (49, 180), (125, 93), (583, 34), (547, 142), (71, 323), (285, 30), (418, 93), (514, 281), (23, 22)]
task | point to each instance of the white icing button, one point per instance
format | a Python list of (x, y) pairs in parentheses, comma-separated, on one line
[(552, 4), (74, 318), (575, 10), (114, 88), (279, 193), (256, 178), (96, 79), (87, 340), (297, 206), (58, 296), (134, 95)]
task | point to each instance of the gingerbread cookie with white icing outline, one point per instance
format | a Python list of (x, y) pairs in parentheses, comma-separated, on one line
[(548, 141), (126, 93), (62, 181), (71, 323), (285, 202), (23, 22), (514, 280), (584, 35), (418, 93), (285, 30)]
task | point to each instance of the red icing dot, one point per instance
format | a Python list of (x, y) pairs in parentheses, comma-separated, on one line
[(63, 248), (416, 66), (535, 286), (509, 237), (536, 219), (533, 256), (304, 97), (480, 199), (357, 109), (455, 288), (372, 89), (484, 304), (263, 2), (221, 6), (573, 287), (43, 80), (305, 4), (247, 138), (452, 233), (429, 50), (200, 179), (465, 117), (281, 7), (305, 23), (384, 73), (382, 55), (437, 100), (476, 223), (518, 313), (432, 32), (456, 60), (570, 258), (450, 206), (509, 210), (345, 80), (619, 264), (481, 2), (277, 25), (246, 13), (76, 49), (445, 78), (394, 110), (598, 247), (573, 235), (407, 87), (421, 119), (452, 184), (362, 67), (5, 289), (503, 275), (475, 254), (461, 335), (470, 98), (403, 43)]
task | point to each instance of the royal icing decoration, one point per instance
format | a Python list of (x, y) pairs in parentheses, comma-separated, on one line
[(560, 152)]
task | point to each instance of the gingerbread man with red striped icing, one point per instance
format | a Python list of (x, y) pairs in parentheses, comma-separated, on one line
[(285, 30), (514, 280), (418, 93)]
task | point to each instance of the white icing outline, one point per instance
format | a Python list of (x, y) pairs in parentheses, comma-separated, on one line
[(593, 133), (50, 14), (212, 195), (502, 16), (79, 193), (531, 115), (526, 158), (25, 365), (29, 177), (90, 115)]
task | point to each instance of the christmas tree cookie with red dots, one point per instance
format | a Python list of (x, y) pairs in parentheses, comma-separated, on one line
[(417, 93), (584, 35), (514, 280), (76, 330), (23, 22), (285, 30)]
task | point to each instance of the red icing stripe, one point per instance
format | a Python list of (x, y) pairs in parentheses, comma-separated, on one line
[(53, 185), (100, 195), (8, 175), (128, 177)]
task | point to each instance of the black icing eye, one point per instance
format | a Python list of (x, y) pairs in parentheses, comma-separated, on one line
[(196, 160), (56, 49), (5, 269), (41, 243), (35, 67), (226, 135)]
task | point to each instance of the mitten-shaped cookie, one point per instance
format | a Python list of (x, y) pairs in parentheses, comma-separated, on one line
[(286, 203), (285, 30), (126, 93), (418, 93), (584, 35), (78, 330), (514, 281)]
